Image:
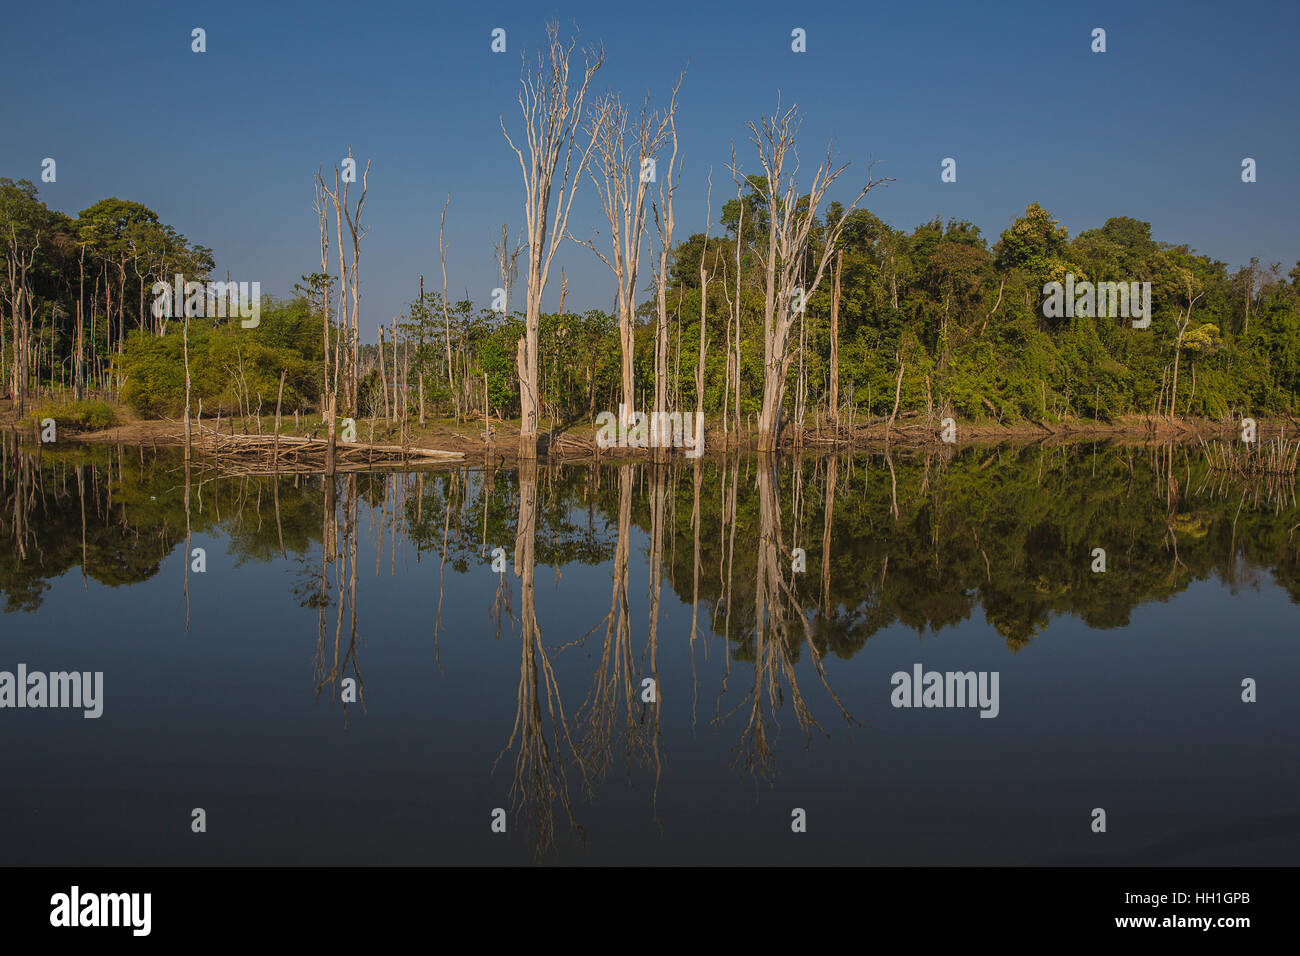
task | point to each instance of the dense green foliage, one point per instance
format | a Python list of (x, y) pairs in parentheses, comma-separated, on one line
[(87, 284), (88, 414), (232, 369), (969, 319), (965, 319)]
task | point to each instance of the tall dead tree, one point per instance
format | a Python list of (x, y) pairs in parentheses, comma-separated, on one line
[(1183, 321), (835, 341), (347, 346), (383, 375), (19, 265), (552, 115), (740, 234), (791, 216), (663, 211), (355, 232), (79, 363), (704, 309), (446, 316), (622, 169), (329, 393)]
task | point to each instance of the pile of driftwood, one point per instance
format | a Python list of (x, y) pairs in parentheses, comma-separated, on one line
[(565, 443), (271, 454)]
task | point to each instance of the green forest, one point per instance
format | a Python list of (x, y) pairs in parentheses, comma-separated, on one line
[(962, 319)]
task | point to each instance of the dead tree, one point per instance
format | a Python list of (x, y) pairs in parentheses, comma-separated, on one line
[(622, 168), (663, 211), (835, 342), (704, 308), (446, 316), (347, 348), (1183, 322), (18, 267), (329, 385), (552, 113), (791, 215), (507, 264)]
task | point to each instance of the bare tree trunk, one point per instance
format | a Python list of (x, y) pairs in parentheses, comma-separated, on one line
[(185, 344), (354, 321), (1178, 345), (507, 264), (740, 233), (446, 316), (622, 184), (18, 266), (383, 378), (835, 342), (791, 216), (349, 281), (898, 393), (396, 383), (279, 399), (487, 423), (735, 379), (664, 224), (79, 362), (699, 368), (329, 385), (552, 114)]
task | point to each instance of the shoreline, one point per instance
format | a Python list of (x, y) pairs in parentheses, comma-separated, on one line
[(577, 442)]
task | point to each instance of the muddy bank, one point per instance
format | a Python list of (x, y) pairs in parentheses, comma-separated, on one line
[(577, 442)]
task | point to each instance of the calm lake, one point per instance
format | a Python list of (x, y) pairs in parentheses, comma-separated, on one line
[(657, 676)]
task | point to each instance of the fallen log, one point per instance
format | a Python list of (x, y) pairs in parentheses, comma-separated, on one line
[(295, 450)]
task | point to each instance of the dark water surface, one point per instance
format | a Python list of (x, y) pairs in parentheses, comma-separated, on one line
[(225, 689)]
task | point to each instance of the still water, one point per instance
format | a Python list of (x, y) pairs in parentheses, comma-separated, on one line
[(656, 676)]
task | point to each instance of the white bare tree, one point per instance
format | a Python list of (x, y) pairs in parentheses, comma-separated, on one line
[(507, 263), (347, 345), (552, 114), (791, 217), (663, 210), (623, 166)]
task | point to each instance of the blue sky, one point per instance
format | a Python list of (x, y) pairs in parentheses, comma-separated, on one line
[(223, 145)]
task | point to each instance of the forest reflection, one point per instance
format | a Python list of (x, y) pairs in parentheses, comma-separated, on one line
[(923, 540)]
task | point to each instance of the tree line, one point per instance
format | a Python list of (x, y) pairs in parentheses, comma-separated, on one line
[(73, 291)]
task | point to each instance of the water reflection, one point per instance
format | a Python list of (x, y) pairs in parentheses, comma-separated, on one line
[(332, 660), (926, 541)]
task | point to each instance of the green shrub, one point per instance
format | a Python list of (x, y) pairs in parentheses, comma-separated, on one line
[(231, 368), (85, 415)]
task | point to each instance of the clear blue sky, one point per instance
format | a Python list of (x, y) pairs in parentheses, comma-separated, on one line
[(223, 145)]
